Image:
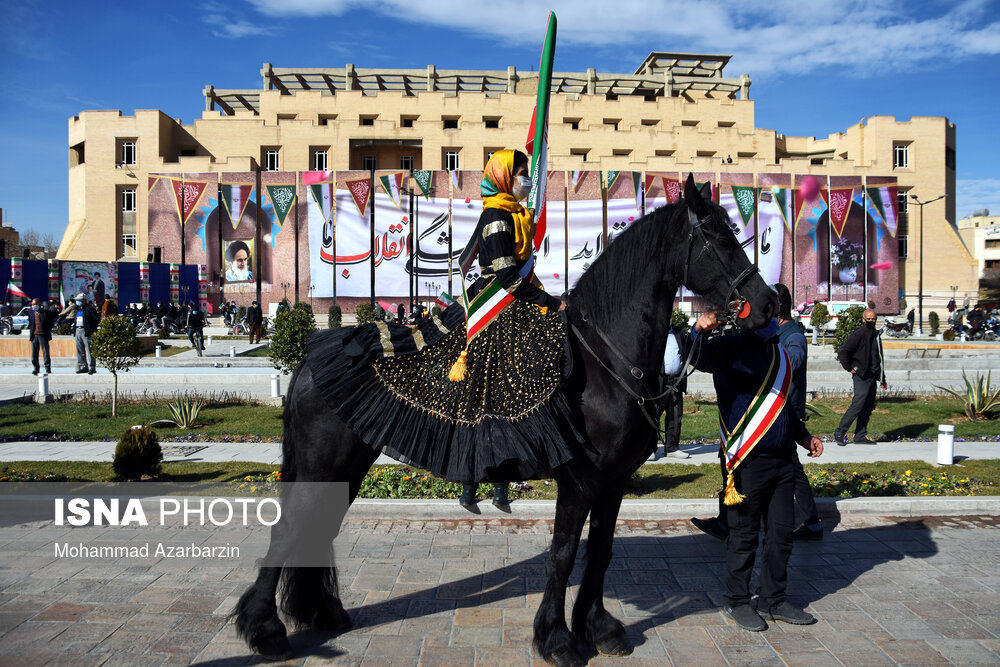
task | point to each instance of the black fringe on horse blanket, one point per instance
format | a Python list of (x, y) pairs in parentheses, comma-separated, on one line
[(506, 421)]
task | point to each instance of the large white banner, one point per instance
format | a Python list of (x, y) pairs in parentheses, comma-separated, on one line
[(771, 225), (621, 214), (586, 236), (550, 259), (433, 238), (464, 219)]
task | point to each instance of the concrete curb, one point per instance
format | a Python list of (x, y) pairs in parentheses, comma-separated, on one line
[(675, 508)]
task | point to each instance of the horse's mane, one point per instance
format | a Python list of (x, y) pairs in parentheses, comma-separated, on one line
[(611, 279)]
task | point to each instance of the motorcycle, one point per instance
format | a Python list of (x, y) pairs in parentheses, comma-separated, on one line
[(898, 329)]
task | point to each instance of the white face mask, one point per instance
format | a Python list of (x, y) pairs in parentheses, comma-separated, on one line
[(522, 187)]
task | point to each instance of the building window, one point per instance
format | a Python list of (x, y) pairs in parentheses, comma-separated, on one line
[(77, 154), (991, 264), (126, 154), (367, 121), (491, 123), (320, 159), (128, 200), (272, 159), (949, 158), (368, 162), (325, 119), (612, 122), (900, 156), (993, 243), (406, 121), (904, 246), (450, 123), (128, 245), (451, 161), (574, 123), (406, 162), (621, 152), (663, 152), (580, 153)]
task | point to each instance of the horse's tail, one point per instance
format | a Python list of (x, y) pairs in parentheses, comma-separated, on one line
[(288, 468)]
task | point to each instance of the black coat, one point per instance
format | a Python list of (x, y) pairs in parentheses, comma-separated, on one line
[(48, 321), (856, 352), (91, 319), (254, 315)]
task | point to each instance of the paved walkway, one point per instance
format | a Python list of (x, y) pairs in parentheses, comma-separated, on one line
[(886, 592), (270, 452)]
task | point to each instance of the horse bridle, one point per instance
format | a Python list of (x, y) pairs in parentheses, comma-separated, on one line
[(737, 308)]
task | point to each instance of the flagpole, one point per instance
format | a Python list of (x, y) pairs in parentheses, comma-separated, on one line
[(371, 215)]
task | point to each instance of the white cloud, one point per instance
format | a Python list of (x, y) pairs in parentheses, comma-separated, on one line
[(975, 194), (766, 36), (227, 28)]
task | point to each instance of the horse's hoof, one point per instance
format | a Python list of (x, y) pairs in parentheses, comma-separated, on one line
[(566, 658), (275, 648), (614, 646)]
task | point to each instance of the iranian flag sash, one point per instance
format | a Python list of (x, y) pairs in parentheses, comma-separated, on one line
[(755, 422)]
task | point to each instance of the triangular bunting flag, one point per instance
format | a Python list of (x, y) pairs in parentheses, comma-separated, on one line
[(781, 199), (153, 180), (890, 207), (840, 207), (360, 189), (391, 184), (323, 196), (282, 197), (577, 177), (235, 198), (875, 197), (746, 200), (423, 180), (650, 181), (673, 189), (454, 178), (187, 194), (636, 182), (612, 176)]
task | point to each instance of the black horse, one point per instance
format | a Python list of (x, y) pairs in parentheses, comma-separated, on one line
[(619, 315)]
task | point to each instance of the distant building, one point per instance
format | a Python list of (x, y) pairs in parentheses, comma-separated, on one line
[(676, 113)]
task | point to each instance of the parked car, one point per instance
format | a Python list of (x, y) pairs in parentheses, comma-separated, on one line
[(19, 321), (835, 308)]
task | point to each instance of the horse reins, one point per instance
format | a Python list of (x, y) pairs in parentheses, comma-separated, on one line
[(737, 309)]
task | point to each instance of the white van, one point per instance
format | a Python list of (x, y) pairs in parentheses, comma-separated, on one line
[(835, 308)]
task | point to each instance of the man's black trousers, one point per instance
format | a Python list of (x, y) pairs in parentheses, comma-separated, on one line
[(860, 409), (768, 484)]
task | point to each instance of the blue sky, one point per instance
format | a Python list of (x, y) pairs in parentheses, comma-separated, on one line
[(817, 67)]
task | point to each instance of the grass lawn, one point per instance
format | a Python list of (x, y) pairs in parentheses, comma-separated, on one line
[(899, 418), (651, 481)]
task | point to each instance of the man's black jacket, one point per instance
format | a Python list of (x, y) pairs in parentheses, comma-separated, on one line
[(856, 353)]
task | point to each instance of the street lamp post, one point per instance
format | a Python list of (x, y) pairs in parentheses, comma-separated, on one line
[(312, 288), (920, 280), (284, 293)]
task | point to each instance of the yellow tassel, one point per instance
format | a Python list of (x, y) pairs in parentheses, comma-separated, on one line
[(457, 372), (732, 496)]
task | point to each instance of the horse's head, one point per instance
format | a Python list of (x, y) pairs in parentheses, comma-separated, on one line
[(717, 268)]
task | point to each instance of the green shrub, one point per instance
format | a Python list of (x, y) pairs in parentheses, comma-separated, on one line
[(185, 411), (848, 322), (820, 317), (979, 398), (163, 334), (335, 317), (138, 453), (65, 329), (902, 304), (679, 320), (948, 335), (934, 321), (115, 346), (291, 330), (365, 313), (436, 311)]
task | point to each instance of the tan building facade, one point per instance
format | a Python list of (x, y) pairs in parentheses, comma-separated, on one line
[(981, 235), (676, 113)]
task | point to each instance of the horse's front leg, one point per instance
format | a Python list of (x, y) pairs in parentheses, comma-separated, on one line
[(592, 623), (553, 640)]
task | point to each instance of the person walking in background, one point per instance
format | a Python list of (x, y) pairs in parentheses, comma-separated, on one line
[(99, 290), (678, 344), (254, 317), (861, 355), (108, 308), (40, 333), (196, 327), (87, 321)]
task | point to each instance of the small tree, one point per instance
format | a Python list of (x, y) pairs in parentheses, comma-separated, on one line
[(334, 317), (934, 321), (138, 453), (365, 313), (679, 320), (291, 330), (848, 322), (115, 347), (820, 317)]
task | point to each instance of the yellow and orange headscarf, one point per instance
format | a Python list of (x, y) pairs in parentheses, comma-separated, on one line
[(496, 188)]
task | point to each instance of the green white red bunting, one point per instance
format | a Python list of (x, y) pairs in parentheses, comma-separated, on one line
[(391, 183), (760, 414), (612, 176), (187, 194), (235, 198), (282, 197)]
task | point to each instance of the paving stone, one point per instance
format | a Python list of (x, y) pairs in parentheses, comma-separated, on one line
[(448, 656), (912, 651)]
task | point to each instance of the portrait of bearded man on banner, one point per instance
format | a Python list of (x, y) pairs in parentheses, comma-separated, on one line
[(239, 261)]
